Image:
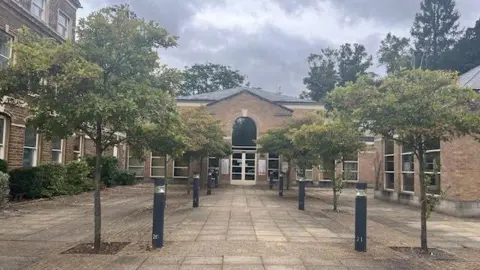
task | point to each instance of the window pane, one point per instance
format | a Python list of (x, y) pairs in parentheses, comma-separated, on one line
[(138, 171), (28, 156), (432, 162), (389, 164), (309, 174), (406, 149), (135, 162), (56, 143), (30, 137), (76, 144), (158, 172), (408, 182), (407, 163), (273, 155), (347, 166), (353, 157), (158, 162), (351, 176), (389, 147), (4, 46), (214, 162), (76, 156), (36, 11), (273, 164), (180, 172), (434, 186), (56, 156), (390, 180), (2, 129), (432, 144)]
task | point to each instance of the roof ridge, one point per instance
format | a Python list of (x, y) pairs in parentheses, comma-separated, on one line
[(474, 75)]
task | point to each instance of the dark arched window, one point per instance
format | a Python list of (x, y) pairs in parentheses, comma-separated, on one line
[(244, 132)]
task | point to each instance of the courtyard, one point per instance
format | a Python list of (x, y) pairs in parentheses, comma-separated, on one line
[(235, 228)]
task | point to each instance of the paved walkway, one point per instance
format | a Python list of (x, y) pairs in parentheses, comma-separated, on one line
[(236, 228)]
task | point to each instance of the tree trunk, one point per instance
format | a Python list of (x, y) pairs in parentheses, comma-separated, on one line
[(96, 196), (423, 199), (201, 173), (189, 183), (334, 196), (287, 177), (165, 164)]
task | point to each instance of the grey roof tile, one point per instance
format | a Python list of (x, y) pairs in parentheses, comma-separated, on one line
[(471, 78), (219, 95)]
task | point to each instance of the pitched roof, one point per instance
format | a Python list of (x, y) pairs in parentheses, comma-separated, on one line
[(224, 94), (471, 78)]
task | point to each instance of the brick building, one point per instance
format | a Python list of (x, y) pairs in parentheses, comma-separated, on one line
[(21, 145), (454, 166), (246, 114)]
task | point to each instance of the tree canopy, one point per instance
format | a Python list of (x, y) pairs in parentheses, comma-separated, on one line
[(395, 53), (334, 67), (209, 77), (435, 30), (103, 85), (414, 108)]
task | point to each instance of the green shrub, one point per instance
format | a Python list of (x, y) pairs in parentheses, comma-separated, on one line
[(77, 180), (26, 182), (3, 166), (109, 169), (4, 189), (125, 178), (53, 179)]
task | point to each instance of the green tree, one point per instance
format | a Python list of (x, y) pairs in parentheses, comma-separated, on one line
[(322, 76), (352, 62), (414, 108), (331, 142), (435, 30), (395, 53), (334, 67), (206, 78), (280, 141), (101, 85), (465, 54), (205, 138)]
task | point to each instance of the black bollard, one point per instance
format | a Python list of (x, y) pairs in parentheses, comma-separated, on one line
[(210, 182), (301, 193), (158, 213), (280, 185), (361, 218), (271, 180), (217, 174), (196, 189)]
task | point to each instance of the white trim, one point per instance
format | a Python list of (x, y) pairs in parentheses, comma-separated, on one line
[(243, 181), (61, 150), (412, 172), (68, 27), (304, 107), (80, 151), (156, 167), (191, 104), (129, 166), (4, 137), (43, 9), (357, 171), (180, 167), (35, 149), (18, 125)]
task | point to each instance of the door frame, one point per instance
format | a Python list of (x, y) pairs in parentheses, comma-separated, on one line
[(243, 182)]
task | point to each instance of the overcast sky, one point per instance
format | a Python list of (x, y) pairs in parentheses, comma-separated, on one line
[(269, 40)]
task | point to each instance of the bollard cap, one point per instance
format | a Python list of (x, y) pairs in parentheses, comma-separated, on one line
[(196, 175), (301, 179), (159, 181), (362, 186)]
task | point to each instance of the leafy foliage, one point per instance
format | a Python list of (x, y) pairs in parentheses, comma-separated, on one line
[(108, 171), (205, 78), (414, 108), (4, 189), (465, 54), (77, 177), (331, 143), (3, 166), (435, 30), (395, 53), (334, 67)]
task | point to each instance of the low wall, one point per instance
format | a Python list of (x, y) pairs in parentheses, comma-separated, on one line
[(449, 207)]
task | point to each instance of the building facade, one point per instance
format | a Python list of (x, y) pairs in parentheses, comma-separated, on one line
[(452, 167), (21, 145), (246, 114)]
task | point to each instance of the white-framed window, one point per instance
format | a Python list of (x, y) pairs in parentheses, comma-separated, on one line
[(157, 167), (38, 8), (3, 135), (308, 173), (30, 147), (5, 49), (389, 159), (78, 147), (57, 150), (180, 170), (135, 165), (350, 168), (63, 24), (432, 166), (408, 169)]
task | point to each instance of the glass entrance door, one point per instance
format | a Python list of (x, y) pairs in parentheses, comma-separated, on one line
[(243, 168)]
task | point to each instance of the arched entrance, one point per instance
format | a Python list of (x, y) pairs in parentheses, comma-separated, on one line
[(244, 148)]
